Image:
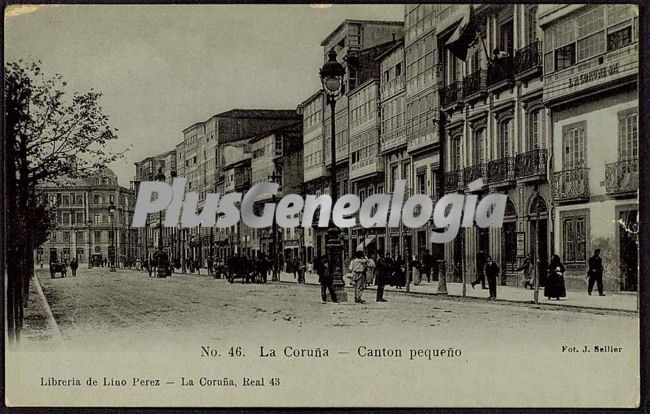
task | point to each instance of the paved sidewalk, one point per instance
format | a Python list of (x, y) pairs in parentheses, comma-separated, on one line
[(616, 301)]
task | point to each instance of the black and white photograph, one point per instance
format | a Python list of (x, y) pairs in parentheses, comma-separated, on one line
[(322, 205)]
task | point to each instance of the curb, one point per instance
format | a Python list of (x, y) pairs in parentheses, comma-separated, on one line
[(589, 309), (51, 322)]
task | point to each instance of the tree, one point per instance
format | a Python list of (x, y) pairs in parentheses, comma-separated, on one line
[(49, 134)]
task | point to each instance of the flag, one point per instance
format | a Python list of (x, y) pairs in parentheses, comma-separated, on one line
[(464, 36)]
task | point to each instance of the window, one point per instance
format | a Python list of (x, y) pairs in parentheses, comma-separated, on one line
[(394, 175), (98, 218), (531, 24), (80, 200), (565, 57), (575, 240), (66, 236), (535, 129), (455, 153), (66, 218), (421, 183), (96, 199), (111, 199), (79, 237), (504, 137), (53, 236), (628, 138), (479, 148), (66, 200), (573, 141)]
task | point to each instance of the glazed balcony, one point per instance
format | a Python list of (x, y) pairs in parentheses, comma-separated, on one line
[(500, 73), (475, 85), (622, 177), (368, 166), (451, 94), (570, 185), (393, 139), (475, 172), (501, 171), (528, 60), (421, 131), (531, 165), (453, 181)]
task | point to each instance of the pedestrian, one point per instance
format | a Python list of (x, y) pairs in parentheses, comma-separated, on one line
[(210, 262), (40, 261), (595, 273), (385, 268), (480, 269), (529, 275), (324, 278), (370, 270), (400, 272), (301, 268), (415, 270), (73, 266), (427, 265), (358, 268), (105, 262), (554, 287), (491, 271)]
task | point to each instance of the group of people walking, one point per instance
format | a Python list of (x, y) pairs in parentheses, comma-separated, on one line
[(554, 286)]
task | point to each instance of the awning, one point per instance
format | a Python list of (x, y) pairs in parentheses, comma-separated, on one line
[(366, 242)]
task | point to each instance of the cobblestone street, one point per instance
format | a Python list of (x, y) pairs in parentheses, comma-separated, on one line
[(101, 308)]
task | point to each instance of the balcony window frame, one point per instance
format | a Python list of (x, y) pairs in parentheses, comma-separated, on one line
[(535, 127), (581, 147), (624, 146)]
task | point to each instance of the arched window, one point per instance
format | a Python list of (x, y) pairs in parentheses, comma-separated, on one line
[(537, 205), (510, 211)]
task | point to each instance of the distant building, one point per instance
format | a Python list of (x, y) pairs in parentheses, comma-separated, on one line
[(201, 159), (84, 226), (148, 237)]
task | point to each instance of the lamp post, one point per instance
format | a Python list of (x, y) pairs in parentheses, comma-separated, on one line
[(111, 209), (276, 272), (331, 75), (160, 257), (172, 252), (90, 251)]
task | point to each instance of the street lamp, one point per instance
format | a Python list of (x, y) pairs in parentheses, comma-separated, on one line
[(111, 210), (274, 178), (331, 75), (160, 257)]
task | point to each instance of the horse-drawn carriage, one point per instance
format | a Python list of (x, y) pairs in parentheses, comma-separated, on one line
[(58, 267)]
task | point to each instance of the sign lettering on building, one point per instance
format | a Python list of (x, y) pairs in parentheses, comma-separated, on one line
[(593, 75)]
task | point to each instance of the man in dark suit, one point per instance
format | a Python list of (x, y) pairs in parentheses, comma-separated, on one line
[(385, 268), (491, 273), (595, 273)]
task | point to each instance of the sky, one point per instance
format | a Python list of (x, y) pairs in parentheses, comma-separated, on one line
[(163, 68)]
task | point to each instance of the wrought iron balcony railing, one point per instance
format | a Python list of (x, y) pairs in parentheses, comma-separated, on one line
[(570, 185), (501, 170), (622, 176), (475, 172), (451, 93), (500, 70), (531, 163), (474, 83), (528, 58), (453, 181)]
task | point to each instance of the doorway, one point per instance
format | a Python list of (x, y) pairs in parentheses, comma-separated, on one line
[(628, 250)]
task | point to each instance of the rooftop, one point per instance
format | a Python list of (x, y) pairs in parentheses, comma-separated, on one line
[(352, 21)]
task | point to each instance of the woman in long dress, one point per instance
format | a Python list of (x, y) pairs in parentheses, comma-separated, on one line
[(415, 270), (555, 281)]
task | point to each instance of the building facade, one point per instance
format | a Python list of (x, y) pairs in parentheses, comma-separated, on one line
[(591, 61), (85, 228), (149, 236)]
